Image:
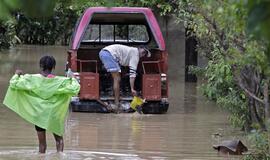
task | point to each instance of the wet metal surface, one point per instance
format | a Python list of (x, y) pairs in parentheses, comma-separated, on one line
[(187, 131)]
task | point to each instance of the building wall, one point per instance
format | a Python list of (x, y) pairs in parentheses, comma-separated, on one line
[(174, 35)]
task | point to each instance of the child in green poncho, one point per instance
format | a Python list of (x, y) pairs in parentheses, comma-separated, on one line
[(47, 64), (43, 100)]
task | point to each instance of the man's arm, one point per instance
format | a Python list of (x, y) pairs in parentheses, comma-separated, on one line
[(133, 64), (132, 81)]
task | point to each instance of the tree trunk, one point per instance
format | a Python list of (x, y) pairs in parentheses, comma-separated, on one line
[(266, 99), (249, 80)]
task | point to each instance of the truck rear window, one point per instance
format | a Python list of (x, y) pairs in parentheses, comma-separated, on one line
[(123, 33)]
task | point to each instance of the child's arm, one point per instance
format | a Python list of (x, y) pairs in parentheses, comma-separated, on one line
[(18, 72), (19, 81), (70, 86)]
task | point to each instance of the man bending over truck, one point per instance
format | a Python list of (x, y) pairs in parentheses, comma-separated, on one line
[(116, 55)]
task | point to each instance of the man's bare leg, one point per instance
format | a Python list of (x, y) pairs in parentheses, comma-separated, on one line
[(59, 143), (116, 88), (42, 141)]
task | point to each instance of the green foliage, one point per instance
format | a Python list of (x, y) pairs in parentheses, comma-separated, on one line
[(50, 30), (196, 70), (161, 6), (219, 86), (164, 7), (38, 9), (260, 146), (52, 21), (216, 24), (220, 28), (233, 35), (235, 102), (6, 7), (80, 6), (31, 8), (258, 26), (7, 34), (219, 79)]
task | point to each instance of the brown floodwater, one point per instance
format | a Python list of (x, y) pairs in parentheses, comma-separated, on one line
[(187, 131)]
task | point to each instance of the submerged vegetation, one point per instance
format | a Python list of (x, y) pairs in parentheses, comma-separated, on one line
[(230, 34)]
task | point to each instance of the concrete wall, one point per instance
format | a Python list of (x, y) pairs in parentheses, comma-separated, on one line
[(174, 35)]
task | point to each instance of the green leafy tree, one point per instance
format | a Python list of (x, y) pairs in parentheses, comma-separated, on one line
[(237, 67), (234, 36), (43, 22)]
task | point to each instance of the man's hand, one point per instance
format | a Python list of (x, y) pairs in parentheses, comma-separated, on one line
[(18, 72), (133, 92)]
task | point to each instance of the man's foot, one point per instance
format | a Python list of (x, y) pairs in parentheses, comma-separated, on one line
[(114, 108)]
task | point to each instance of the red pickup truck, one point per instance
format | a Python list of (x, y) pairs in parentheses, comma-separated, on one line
[(101, 26)]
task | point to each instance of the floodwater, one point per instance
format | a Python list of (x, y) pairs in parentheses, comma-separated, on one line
[(187, 131)]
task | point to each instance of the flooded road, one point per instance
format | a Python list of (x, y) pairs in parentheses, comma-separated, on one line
[(187, 131)]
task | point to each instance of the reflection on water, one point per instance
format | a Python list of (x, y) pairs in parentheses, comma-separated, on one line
[(187, 131)]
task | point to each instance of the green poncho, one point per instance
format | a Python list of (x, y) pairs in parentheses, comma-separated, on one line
[(40, 100)]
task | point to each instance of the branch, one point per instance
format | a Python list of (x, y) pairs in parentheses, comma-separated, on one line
[(249, 93), (220, 35), (266, 98)]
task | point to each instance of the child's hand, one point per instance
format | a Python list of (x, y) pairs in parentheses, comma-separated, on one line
[(70, 74), (18, 72)]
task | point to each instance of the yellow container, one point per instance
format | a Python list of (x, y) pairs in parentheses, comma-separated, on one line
[(137, 101)]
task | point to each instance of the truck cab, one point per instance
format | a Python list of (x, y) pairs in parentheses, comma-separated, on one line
[(99, 27)]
